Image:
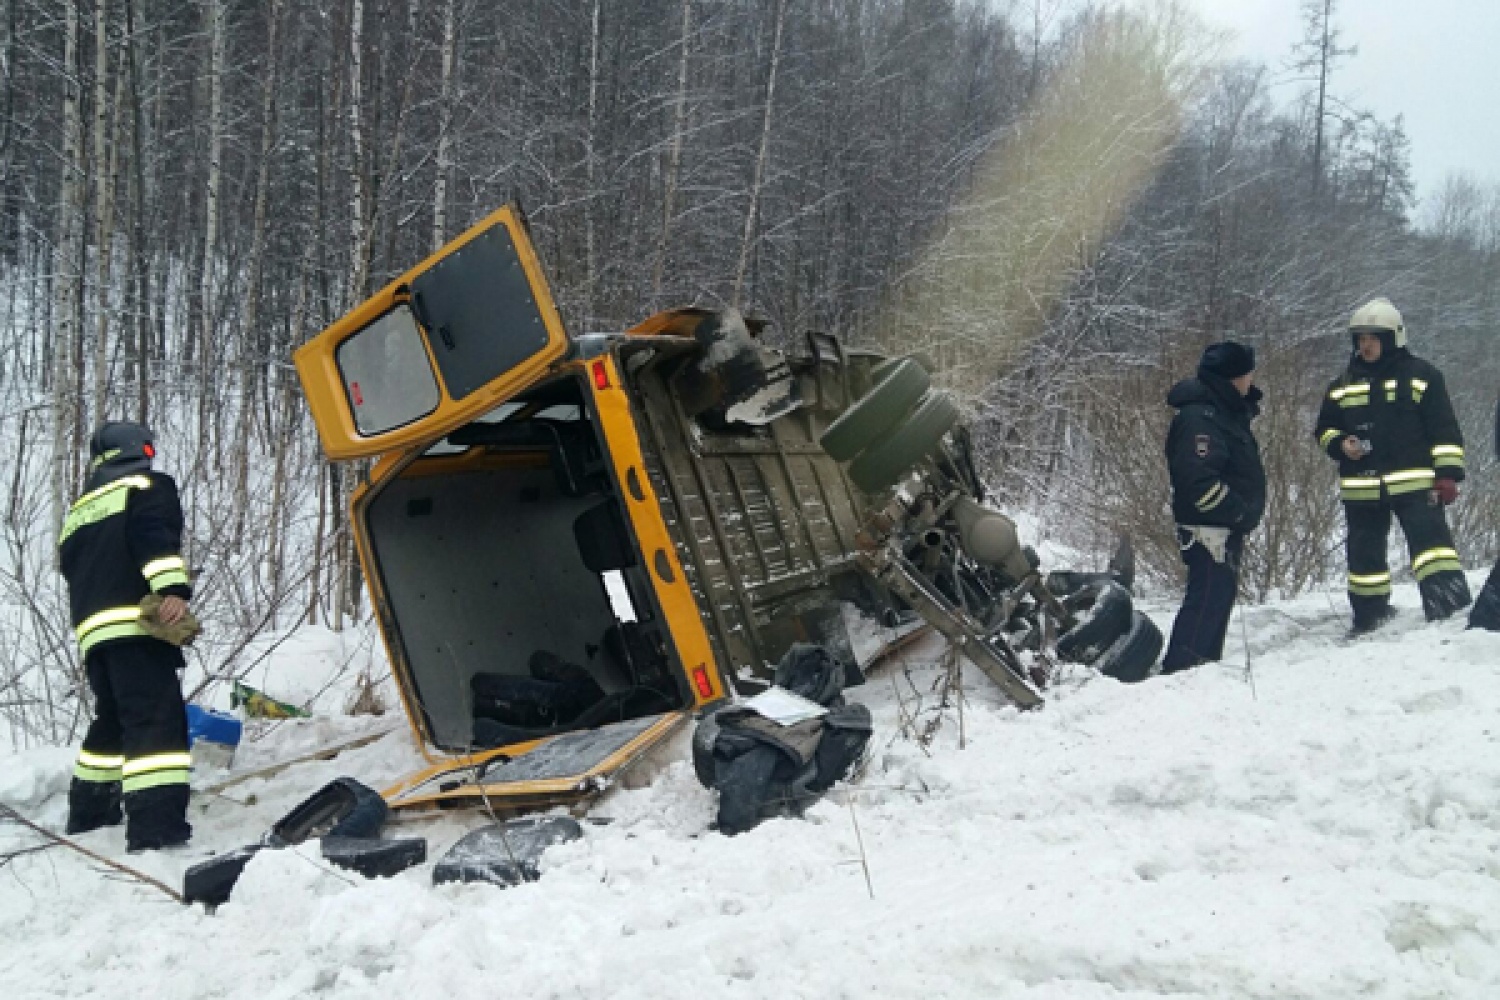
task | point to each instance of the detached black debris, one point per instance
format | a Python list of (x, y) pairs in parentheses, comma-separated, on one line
[(762, 768), (344, 813), (505, 854)]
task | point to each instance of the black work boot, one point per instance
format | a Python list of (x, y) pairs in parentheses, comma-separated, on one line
[(158, 818), (92, 804), (1368, 622), (1443, 594)]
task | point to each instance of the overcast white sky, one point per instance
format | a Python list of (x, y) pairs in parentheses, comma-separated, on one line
[(1437, 62)]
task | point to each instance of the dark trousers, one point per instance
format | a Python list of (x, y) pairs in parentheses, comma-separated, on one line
[(1199, 629), (1434, 560), (1486, 611), (138, 717)]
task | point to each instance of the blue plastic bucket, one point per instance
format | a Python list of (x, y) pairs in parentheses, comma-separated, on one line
[(212, 736)]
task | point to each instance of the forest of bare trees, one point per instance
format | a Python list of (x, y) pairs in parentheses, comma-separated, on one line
[(1060, 206)]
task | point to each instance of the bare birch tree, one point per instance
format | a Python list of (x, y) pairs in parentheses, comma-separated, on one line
[(674, 150), (444, 155), (67, 273), (762, 156)]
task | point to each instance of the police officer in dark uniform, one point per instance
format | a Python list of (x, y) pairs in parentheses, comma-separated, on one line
[(1218, 495), (1388, 422), (121, 541)]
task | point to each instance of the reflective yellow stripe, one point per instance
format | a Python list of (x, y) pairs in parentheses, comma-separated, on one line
[(101, 760), (132, 482), (1349, 401), (156, 770), (161, 565), (96, 505), (1370, 584), (1450, 455), (1439, 566), (1433, 554), (97, 767), (114, 623), (165, 572), (1327, 436), (1370, 577), (1211, 499), (110, 616), (174, 578), (157, 762), (1359, 488), (1408, 481), (1355, 389), (110, 633), (1420, 385), (98, 775), (155, 778)]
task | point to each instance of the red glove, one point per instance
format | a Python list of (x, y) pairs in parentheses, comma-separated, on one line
[(1445, 491)]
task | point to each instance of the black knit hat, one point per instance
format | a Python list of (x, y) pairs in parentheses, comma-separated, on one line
[(1227, 360)]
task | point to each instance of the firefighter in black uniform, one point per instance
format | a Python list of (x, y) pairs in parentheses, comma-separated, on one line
[(121, 541), (1388, 422), (1218, 495)]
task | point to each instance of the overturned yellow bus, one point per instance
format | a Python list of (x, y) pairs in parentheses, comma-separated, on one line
[(574, 543)]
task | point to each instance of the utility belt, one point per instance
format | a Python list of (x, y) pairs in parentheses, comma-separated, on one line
[(1214, 539)]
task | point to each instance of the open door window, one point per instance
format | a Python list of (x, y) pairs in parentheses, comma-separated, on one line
[(447, 341)]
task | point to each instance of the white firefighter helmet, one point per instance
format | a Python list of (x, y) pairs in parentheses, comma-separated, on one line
[(1379, 314)]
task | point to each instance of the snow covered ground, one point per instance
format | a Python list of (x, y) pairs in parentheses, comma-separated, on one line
[(1333, 833)]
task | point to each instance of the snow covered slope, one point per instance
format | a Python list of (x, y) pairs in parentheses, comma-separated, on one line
[(1334, 833)]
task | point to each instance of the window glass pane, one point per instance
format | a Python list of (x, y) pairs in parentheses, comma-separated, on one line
[(387, 375)]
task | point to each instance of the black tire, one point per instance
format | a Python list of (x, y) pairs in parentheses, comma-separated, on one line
[(1133, 655), (873, 415), (886, 461), (1107, 611), (1063, 582)]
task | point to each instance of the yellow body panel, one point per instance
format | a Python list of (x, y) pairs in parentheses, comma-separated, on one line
[(621, 439), (317, 363), (671, 323)]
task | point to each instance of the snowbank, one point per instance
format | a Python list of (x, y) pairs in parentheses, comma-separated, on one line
[(1334, 832)]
